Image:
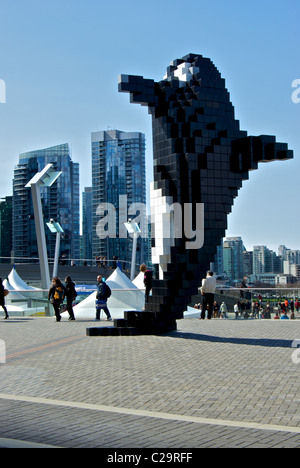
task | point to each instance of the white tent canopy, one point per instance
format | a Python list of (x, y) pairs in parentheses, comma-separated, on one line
[(18, 284), (139, 281), (22, 294), (118, 280), (125, 296), (13, 294)]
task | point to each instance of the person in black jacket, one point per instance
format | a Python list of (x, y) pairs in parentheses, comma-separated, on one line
[(147, 281), (71, 295), (103, 293), (2, 300), (56, 295)]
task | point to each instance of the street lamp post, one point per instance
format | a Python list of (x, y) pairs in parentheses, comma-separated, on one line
[(58, 230), (134, 230), (45, 178)]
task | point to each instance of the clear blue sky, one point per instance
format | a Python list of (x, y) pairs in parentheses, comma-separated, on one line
[(61, 60)]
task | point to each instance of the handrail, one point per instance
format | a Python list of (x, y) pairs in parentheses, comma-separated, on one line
[(32, 291), (143, 289), (269, 288)]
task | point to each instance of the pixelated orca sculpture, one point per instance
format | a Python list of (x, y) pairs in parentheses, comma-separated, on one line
[(200, 157)]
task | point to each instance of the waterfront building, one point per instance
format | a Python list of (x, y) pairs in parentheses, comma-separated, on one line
[(5, 229), (60, 202), (87, 224), (233, 249), (118, 171)]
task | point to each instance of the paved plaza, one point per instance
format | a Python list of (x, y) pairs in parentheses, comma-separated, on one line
[(219, 383)]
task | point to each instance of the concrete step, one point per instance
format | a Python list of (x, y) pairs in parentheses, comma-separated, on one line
[(136, 323)]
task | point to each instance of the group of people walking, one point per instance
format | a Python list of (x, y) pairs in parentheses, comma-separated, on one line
[(58, 292)]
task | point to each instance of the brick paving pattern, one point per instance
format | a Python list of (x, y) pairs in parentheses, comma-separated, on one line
[(213, 383)]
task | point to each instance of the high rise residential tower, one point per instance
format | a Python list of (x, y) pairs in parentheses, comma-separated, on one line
[(60, 202), (5, 229), (233, 249), (118, 170), (87, 223), (263, 260)]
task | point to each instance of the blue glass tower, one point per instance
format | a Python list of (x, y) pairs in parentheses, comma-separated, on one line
[(118, 169), (60, 202)]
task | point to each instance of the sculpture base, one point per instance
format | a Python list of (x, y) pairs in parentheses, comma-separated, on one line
[(136, 323)]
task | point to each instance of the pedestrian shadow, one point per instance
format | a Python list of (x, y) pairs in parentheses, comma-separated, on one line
[(16, 320), (265, 342)]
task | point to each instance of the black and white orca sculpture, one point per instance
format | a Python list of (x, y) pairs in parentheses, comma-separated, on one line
[(201, 158)]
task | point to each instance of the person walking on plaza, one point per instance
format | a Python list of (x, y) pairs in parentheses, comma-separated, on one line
[(216, 310), (147, 281), (103, 293), (71, 295), (2, 299), (56, 295), (292, 307), (208, 292), (224, 310)]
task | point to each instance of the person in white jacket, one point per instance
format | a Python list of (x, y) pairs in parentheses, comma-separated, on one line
[(224, 310), (208, 292)]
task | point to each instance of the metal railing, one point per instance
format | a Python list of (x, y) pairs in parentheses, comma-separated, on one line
[(253, 303), (258, 303)]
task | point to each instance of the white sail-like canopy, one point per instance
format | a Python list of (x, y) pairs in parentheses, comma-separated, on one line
[(139, 281), (17, 283), (13, 294), (27, 298)]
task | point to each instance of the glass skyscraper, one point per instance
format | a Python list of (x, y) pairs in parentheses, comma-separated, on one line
[(118, 169), (87, 224), (60, 202), (5, 229)]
